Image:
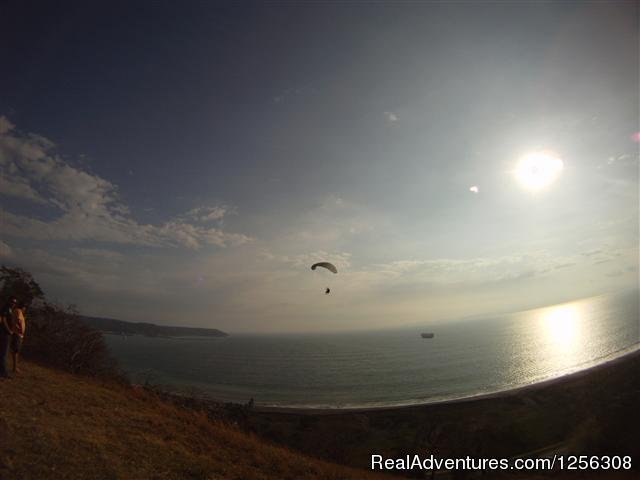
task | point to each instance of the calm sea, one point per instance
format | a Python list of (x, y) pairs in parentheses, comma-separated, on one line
[(395, 367)]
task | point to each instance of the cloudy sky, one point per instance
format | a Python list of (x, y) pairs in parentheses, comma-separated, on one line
[(186, 164)]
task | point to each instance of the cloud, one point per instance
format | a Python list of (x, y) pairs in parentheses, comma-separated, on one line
[(15, 155), (564, 265), (607, 253), (5, 125), (391, 117), (206, 214), (15, 186), (475, 270), (329, 225), (79, 271), (606, 260), (98, 253), (87, 206), (5, 250), (624, 160)]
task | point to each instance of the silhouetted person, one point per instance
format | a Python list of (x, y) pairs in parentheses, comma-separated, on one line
[(6, 332), (327, 291), (19, 327)]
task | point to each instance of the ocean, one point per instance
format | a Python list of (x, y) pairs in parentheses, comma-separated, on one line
[(392, 367)]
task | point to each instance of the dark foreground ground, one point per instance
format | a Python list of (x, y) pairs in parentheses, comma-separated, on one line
[(59, 426), (593, 412), (55, 425)]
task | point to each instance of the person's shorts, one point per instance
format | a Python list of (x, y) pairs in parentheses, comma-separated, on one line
[(16, 343)]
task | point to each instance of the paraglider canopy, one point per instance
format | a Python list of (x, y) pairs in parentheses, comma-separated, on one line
[(329, 266)]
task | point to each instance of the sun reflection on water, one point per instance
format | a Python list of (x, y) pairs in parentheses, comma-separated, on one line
[(562, 326), (560, 339), (563, 334)]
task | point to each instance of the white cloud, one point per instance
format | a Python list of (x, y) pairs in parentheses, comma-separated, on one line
[(391, 117), (622, 160), (206, 214), (476, 270), (88, 206)]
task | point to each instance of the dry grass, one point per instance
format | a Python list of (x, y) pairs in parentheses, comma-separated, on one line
[(57, 425)]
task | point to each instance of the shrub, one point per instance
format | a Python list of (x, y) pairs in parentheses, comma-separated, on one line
[(57, 337)]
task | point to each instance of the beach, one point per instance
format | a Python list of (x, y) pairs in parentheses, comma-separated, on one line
[(587, 412), (570, 378)]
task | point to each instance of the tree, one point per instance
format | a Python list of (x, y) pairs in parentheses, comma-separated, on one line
[(19, 284), (56, 335)]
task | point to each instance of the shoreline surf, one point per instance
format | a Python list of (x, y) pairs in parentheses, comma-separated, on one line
[(618, 357)]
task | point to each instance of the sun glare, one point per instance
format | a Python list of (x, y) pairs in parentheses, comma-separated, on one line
[(537, 170), (562, 325)]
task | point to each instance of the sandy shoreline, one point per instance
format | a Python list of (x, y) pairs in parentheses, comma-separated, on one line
[(629, 353), (588, 410), (582, 411)]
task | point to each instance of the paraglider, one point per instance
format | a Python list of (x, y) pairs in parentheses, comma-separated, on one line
[(329, 266)]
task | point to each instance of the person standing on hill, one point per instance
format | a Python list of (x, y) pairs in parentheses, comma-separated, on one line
[(6, 331), (19, 326)]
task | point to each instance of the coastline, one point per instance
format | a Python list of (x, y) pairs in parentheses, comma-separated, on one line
[(584, 411), (628, 353), (195, 396)]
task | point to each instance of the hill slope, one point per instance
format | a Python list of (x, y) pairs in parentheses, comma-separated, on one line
[(57, 425)]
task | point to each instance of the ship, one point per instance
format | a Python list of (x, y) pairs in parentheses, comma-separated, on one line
[(426, 335)]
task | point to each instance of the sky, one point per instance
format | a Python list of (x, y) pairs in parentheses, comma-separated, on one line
[(185, 164)]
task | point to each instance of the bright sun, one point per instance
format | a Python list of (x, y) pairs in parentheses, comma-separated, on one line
[(537, 170)]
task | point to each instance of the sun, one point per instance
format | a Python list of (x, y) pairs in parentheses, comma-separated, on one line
[(537, 170)]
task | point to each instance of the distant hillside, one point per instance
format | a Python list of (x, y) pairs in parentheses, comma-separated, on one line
[(149, 329)]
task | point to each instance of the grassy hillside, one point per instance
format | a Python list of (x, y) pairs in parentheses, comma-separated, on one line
[(57, 425)]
